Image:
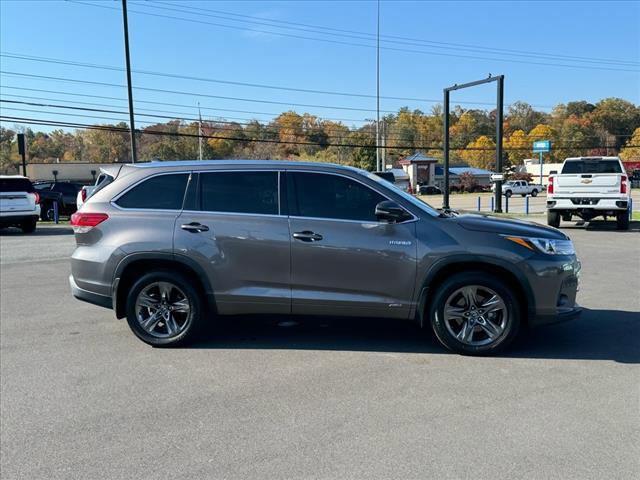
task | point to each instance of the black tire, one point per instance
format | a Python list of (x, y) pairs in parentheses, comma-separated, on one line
[(457, 281), (29, 226), (622, 220), (508, 193), (194, 319), (44, 208), (553, 219), (534, 193)]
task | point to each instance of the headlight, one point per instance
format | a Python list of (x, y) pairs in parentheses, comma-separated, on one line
[(549, 246)]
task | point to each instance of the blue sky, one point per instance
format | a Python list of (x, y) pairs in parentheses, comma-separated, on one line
[(606, 34)]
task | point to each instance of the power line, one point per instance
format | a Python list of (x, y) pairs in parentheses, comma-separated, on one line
[(32, 121), (434, 44), (472, 57), (230, 82)]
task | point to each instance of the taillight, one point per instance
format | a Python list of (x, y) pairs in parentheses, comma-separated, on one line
[(82, 222), (83, 195), (550, 186), (36, 197), (623, 184)]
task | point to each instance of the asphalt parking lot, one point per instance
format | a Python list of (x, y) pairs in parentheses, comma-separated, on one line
[(82, 398)]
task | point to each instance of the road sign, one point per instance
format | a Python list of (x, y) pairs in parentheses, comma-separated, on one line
[(497, 177), (540, 146)]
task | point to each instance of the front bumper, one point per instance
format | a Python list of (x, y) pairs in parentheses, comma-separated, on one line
[(89, 297)]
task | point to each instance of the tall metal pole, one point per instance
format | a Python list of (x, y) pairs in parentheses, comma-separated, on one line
[(445, 166), (499, 133), (132, 125), (199, 132), (378, 162)]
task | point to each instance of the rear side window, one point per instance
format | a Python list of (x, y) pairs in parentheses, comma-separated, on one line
[(240, 192), (591, 166), (15, 185), (163, 192), (319, 195)]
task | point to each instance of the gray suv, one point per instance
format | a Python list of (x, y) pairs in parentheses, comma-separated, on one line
[(172, 245)]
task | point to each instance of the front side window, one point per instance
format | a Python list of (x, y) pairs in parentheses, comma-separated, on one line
[(320, 195), (162, 192), (240, 192)]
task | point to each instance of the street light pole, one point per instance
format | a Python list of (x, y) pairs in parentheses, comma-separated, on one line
[(132, 126), (378, 162)]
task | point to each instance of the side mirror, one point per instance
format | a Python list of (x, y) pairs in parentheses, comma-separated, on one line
[(391, 211)]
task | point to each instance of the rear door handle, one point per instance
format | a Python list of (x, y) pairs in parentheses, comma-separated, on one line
[(307, 236), (194, 227)]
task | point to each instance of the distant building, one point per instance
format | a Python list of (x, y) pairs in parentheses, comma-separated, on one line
[(66, 171), (532, 166), (420, 168), (483, 177)]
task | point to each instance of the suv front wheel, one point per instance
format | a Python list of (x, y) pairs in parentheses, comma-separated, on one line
[(475, 313), (164, 309)]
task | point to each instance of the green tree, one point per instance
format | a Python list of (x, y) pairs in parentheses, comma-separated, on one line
[(616, 117)]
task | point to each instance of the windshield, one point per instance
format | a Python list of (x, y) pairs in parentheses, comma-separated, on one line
[(591, 166), (425, 207)]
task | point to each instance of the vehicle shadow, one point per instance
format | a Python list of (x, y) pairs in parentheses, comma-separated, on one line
[(595, 335), (601, 226), (40, 231)]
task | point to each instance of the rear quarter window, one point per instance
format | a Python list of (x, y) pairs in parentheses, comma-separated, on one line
[(162, 192), (15, 185)]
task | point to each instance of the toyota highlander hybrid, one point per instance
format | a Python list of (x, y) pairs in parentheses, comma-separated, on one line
[(172, 245)]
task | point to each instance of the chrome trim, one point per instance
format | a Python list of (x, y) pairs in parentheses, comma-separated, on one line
[(204, 212)]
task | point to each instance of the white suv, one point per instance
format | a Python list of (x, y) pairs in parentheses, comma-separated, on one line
[(19, 203)]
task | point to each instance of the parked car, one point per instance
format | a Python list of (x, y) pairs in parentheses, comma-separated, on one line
[(106, 175), (239, 237), (519, 187), (18, 203), (62, 193), (429, 190), (589, 187)]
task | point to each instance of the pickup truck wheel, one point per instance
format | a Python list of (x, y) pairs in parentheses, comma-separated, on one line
[(164, 309), (29, 226), (622, 220), (508, 193), (553, 218), (475, 313), (534, 193)]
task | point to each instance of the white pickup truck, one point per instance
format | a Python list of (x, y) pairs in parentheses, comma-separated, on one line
[(589, 187), (520, 187)]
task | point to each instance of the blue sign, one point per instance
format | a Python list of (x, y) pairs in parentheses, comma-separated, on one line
[(540, 146)]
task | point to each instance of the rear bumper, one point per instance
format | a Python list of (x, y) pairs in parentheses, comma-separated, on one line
[(89, 297), (12, 218), (588, 203)]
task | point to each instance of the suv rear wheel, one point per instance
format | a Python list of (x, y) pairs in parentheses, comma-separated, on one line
[(29, 226), (164, 309), (475, 313)]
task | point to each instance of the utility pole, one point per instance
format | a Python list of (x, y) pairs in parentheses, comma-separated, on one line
[(384, 145), (378, 162), (199, 131), (132, 125)]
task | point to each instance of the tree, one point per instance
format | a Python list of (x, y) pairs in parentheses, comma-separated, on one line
[(480, 153), (8, 152), (522, 116), (631, 152), (518, 147), (616, 117), (543, 132), (468, 182)]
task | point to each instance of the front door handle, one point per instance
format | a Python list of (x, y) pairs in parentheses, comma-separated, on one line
[(307, 236), (194, 227)]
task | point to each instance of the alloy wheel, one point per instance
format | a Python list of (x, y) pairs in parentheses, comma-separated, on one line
[(476, 315), (162, 309)]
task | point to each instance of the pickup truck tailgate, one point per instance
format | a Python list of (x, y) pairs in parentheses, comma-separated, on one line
[(596, 184)]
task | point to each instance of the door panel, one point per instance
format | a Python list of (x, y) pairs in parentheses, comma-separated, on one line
[(245, 255), (246, 258), (351, 264)]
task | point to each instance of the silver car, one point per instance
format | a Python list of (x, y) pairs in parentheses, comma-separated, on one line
[(173, 245)]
